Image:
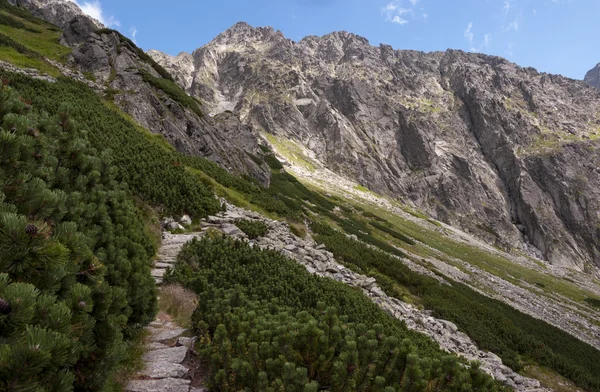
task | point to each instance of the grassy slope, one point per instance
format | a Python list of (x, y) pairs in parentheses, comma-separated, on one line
[(35, 40)]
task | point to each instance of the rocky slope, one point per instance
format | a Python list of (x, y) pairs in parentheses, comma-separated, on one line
[(592, 77), (58, 12), (504, 152), (140, 88)]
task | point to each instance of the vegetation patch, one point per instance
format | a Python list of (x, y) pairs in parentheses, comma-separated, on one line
[(493, 325), (154, 174), (264, 326), (75, 261), (252, 228), (178, 302)]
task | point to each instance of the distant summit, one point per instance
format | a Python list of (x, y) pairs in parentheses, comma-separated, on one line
[(593, 76)]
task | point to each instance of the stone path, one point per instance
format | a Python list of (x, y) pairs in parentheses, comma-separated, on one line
[(167, 254), (167, 348)]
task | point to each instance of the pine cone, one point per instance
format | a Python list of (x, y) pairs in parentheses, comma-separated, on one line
[(31, 230), (82, 305), (4, 306)]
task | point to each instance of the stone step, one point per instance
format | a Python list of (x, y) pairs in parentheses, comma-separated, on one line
[(171, 354), (163, 265), (159, 334), (162, 385), (163, 369), (158, 272)]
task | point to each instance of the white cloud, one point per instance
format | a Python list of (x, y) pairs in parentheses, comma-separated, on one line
[(94, 9), (469, 34), (487, 38), (395, 13), (514, 25), (470, 37), (534, 12), (133, 32), (399, 20)]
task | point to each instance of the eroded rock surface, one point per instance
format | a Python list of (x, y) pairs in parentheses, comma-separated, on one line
[(508, 153)]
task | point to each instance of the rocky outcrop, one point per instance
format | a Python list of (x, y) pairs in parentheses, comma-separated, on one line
[(504, 152), (116, 63), (57, 12), (592, 77)]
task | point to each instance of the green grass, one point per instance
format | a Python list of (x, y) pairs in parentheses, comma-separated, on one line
[(290, 151), (20, 60), (45, 42)]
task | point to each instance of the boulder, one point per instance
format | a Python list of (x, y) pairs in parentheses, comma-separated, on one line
[(185, 220)]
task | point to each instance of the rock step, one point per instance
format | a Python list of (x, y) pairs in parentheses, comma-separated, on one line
[(160, 334), (158, 272), (174, 355), (162, 385)]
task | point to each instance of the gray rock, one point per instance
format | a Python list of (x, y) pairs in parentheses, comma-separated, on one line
[(187, 342), (159, 334), (231, 229), (171, 354), (185, 220), (449, 325), (163, 369), (592, 77), (175, 226), (163, 385)]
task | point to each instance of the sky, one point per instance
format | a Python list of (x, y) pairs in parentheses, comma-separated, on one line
[(555, 36)]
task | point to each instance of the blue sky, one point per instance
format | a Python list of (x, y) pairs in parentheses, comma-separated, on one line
[(556, 36)]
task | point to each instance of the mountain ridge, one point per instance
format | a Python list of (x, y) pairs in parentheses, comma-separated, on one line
[(477, 130)]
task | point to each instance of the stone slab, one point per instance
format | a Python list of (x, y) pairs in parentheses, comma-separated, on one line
[(171, 354), (162, 385)]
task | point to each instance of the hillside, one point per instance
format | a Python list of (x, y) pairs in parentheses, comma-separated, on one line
[(507, 153), (305, 279)]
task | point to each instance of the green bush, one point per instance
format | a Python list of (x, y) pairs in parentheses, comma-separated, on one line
[(595, 302), (493, 325), (75, 281), (252, 228), (153, 173), (264, 327)]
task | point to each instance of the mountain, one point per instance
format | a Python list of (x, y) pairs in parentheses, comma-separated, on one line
[(58, 12), (103, 156), (592, 77), (145, 91), (505, 152)]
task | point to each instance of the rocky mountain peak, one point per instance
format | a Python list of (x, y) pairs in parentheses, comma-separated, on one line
[(243, 34), (592, 77), (474, 140), (57, 12)]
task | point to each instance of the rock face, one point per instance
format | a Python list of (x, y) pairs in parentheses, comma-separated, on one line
[(57, 12), (592, 77), (505, 152)]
